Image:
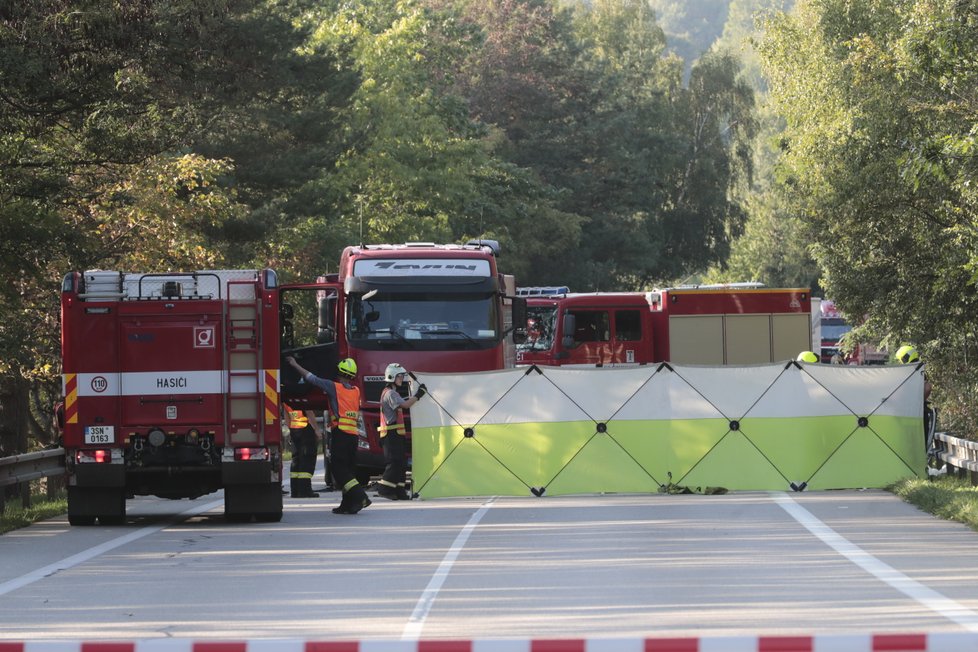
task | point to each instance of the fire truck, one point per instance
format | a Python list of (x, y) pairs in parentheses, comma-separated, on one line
[(429, 307), (834, 326), (171, 388), (742, 323)]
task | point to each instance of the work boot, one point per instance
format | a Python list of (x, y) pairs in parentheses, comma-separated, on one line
[(402, 494), (388, 492), (346, 504)]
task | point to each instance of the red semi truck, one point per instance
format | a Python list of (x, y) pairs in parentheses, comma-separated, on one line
[(711, 325), (430, 307), (171, 389)]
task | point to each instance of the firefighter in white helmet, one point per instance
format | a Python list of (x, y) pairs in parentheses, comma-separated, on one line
[(344, 403), (393, 484)]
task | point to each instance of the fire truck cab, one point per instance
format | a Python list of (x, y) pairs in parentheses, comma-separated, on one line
[(429, 307), (710, 325)]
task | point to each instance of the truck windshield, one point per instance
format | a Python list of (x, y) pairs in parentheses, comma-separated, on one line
[(419, 317), (541, 324)]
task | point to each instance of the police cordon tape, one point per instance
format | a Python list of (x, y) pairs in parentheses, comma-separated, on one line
[(935, 642)]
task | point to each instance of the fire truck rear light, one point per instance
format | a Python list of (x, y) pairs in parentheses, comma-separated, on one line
[(249, 454), (99, 456)]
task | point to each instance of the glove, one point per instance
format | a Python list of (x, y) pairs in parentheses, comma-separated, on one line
[(422, 390)]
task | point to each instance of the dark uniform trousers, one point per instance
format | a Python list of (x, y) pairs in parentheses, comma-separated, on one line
[(304, 450)]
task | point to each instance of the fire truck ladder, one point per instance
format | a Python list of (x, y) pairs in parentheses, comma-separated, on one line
[(245, 391)]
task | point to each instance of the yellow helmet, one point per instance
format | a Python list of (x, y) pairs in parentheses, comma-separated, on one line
[(347, 367), (907, 354), (807, 356)]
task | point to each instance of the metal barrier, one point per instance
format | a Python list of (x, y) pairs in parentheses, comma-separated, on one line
[(31, 466), (958, 454), (21, 469)]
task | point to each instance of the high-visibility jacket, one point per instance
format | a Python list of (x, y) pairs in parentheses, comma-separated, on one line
[(297, 418), (348, 400), (398, 426)]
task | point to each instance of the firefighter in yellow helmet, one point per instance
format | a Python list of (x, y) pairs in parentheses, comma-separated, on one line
[(304, 436), (344, 403), (807, 356), (907, 354), (393, 484)]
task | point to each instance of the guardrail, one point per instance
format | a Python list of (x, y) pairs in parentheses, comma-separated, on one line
[(960, 455), (31, 466), (21, 469)]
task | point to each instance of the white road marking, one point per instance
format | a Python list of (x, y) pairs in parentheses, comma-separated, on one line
[(944, 606), (91, 553), (412, 631)]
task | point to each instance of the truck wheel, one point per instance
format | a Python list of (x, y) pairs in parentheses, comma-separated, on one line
[(268, 517), (83, 520), (115, 516)]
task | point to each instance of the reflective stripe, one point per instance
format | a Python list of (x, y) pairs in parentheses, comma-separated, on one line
[(349, 408), (297, 418), (300, 475), (350, 485), (398, 427)]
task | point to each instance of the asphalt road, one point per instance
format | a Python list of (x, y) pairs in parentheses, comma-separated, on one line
[(551, 567)]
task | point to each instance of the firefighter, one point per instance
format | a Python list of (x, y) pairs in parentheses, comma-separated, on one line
[(807, 356), (304, 435), (393, 484), (344, 404), (908, 354)]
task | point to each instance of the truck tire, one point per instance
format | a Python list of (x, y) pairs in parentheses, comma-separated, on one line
[(76, 519)]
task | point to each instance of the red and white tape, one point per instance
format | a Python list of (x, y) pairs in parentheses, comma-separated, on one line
[(943, 642)]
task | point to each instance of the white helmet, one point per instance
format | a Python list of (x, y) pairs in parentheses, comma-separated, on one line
[(393, 371)]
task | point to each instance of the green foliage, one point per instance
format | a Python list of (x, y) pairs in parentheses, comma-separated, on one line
[(877, 164), (948, 497), (42, 507), (148, 136)]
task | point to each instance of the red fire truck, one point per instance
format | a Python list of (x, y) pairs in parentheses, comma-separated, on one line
[(717, 324), (833, 327), (429, 307), (171, 389)]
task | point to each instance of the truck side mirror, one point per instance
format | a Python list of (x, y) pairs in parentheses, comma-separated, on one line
[(519, 320), (569, 326), (326, 332)]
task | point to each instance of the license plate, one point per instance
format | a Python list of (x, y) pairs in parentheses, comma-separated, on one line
[(99, 434)]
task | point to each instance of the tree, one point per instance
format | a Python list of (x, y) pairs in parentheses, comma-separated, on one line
[(879, 106), (102, 107)]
